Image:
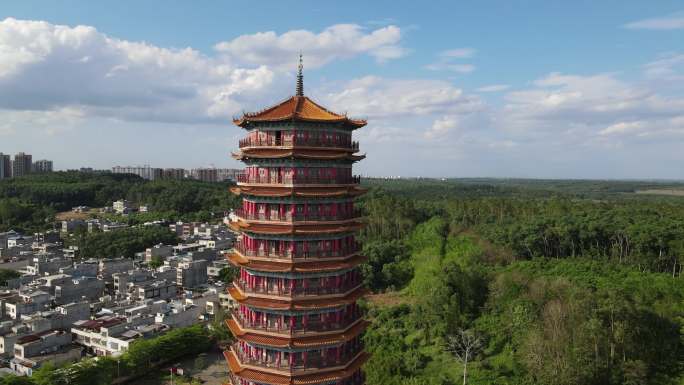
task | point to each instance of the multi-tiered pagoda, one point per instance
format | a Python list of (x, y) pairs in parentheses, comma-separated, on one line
[(297, 321)]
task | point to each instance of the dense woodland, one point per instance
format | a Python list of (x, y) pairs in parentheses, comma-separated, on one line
[(557, 282), (29, 203), (546, 282)]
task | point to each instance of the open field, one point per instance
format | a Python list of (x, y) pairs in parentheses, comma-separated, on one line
[(668, 192), (69, 215)]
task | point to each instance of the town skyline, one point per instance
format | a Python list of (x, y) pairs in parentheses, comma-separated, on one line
[(456, 90)]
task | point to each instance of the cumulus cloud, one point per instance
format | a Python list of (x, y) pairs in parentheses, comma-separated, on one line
[(441, 127), (377, 97), (339, 41), (494, 88), (588, 109), (460, 53), (45, 67), (445, 61), (674, 21)]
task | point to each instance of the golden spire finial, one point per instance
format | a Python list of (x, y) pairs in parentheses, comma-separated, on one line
[(300, 77)]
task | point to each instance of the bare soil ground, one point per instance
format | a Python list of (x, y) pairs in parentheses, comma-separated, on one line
[(67, 215)]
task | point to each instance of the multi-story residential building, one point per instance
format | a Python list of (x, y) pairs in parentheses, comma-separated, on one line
[(22, 164), (34, 350), (124, 281), (173, 173), (163, 290), (25, 302), (191, 273), (72, 224), (83, 288), (122, 206), (145, 172), (116, 265), (161, 251), (42, 166), (224, 174), (111, 335), (204, 174), (5, 166)]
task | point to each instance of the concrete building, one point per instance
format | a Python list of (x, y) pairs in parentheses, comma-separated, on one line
[(34, 350), (163, 290), (161, 251), (111, 335), (26, 302), (173, 173), (117, 265), (122, 206), (204, 174), (42, 166), (145, 172), (72, 224), (77, 289), (191, 273), (22, 164), (124, 281), (5, 166)]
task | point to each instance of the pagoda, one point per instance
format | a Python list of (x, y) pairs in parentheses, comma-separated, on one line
[(297, 320)]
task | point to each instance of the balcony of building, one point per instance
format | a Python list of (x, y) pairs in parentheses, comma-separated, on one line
[(297, 325), (297, 253), (297, 180)]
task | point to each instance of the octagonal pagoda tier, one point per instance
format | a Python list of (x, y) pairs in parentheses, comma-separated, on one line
[(297, 321)]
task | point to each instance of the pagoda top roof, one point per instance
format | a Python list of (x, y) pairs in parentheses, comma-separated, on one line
[(297, 108)]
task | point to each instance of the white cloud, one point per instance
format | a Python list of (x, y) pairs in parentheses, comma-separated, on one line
[(377, 97), (668, 68), (446, 60), (674, 21), (494, 88), (339, 41), (586, 110), (460, 68), (47, 67), (460, 53), (442, 126)]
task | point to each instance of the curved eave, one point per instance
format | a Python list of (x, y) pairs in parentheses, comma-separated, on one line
[(296, 304), (294, 229), (298, 267), (297, 108), (263, 377), (296, 154), (308, 342), (353, 124), (299, 191)]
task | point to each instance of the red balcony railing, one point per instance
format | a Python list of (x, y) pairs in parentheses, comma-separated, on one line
[(273, 142), (244, 178), (313, 326), (272, 289), (274, 253), (276, 216), (314, 360)]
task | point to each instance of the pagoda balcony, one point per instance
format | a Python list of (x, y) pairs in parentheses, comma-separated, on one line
[(313, 326), (296, 254), (276, 216), (301, 180), (298, 142), (286, 291), (299, 364)]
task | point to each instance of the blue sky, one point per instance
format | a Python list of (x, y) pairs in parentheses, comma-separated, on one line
[(580, 89)]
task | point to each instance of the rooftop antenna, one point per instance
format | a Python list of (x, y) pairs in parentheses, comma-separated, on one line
[(300, 77)]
